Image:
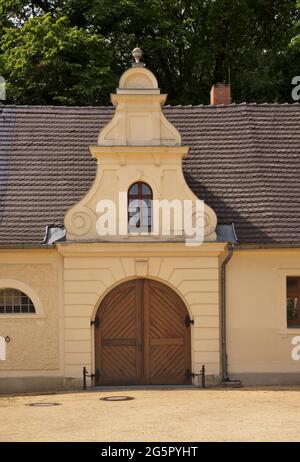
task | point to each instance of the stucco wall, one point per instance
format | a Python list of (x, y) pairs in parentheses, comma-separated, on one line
[(67, 287), (259, 342), (90, 272), (70, 283), (34, 347)]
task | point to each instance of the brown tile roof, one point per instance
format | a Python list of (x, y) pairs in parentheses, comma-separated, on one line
[(244, 162)]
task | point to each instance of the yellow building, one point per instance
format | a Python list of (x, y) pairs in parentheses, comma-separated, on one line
[(149, 307)]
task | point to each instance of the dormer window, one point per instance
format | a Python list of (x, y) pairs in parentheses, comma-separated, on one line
[(140, 198)]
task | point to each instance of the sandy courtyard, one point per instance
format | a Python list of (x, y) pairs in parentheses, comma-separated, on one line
[(266, 414)]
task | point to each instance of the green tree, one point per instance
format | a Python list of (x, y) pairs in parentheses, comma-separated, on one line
[(47, 61), (295, 42), (189, 44)]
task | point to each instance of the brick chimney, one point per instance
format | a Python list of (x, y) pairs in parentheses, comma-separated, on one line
[(220, 94)]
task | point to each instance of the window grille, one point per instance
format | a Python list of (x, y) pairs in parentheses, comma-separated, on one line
[(13, 301), (140, 207)]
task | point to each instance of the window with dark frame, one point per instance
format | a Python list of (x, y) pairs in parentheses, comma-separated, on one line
[(13, 301), (140, 198), (293, 301)]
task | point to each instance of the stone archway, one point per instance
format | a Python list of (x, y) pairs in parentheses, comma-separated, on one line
[(142, 336)]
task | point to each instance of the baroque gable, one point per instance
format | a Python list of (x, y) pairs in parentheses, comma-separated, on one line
[(138, 144)]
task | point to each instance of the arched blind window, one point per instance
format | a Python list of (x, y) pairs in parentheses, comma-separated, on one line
[(14, 301), (140, 207)]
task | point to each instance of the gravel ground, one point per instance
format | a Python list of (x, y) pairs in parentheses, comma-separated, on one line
[(266, 414)]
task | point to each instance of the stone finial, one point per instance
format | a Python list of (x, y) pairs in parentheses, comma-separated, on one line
[(137, 54)]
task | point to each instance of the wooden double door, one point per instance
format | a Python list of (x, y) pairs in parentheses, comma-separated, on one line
[(142, 336)]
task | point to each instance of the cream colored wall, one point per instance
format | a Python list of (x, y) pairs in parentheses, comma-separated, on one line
[(35, 339), (258, 339), (90, 271), (68, 284), (138, 144), (118, 169), (139, 120)]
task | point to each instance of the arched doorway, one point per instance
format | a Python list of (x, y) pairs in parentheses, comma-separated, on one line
[(142, 336)]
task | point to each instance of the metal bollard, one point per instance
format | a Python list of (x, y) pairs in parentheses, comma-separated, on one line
[(85, 374), (203, 376)]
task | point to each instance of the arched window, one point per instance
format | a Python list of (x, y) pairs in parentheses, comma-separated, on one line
[(13, 301), (140, 208)]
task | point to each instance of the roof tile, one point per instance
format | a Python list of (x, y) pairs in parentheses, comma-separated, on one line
[(244, 162)]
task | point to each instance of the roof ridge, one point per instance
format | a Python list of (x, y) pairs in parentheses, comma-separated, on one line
[(38, 107), (52, 106), (240, 161), (244, 104)]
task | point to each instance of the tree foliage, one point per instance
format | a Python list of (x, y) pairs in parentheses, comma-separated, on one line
[(73, 51)]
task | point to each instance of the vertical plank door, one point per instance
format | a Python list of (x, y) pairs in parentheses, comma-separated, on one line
[(167, 336), (118, 338), (142, 336)]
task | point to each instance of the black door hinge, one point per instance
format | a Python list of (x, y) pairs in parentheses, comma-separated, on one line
[(96, 322), (188, 321), (188, 374), (95, 377)]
